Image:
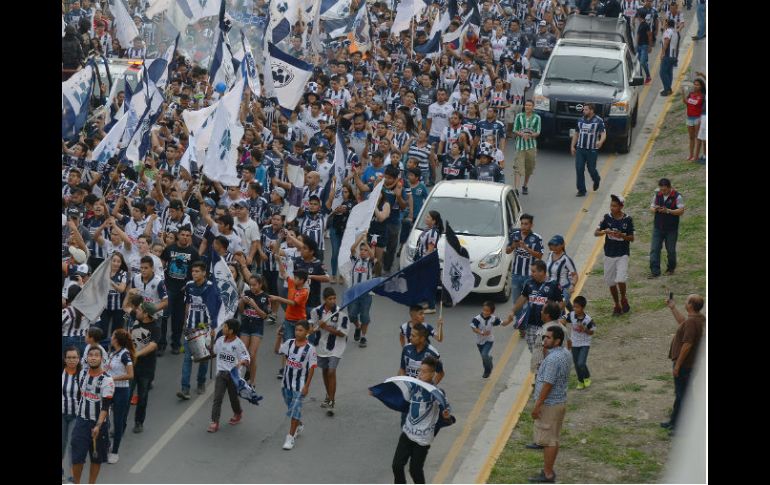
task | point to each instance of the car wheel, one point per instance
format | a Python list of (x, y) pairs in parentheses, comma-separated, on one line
[(505, 295), (634, 115), (624, 146)]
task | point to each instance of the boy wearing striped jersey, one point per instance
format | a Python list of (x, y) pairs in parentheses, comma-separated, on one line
[(301, 361), (561, 268), (362, 257), (413, 354), (90, 435), (332, 326), (482, 325), (529, 247), (417, 316), (537, 291), (230, 352)]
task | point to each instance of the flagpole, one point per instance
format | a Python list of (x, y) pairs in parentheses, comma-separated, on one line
[(441, 304)]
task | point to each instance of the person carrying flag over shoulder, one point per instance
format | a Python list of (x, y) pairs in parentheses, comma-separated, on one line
[(230, 353)]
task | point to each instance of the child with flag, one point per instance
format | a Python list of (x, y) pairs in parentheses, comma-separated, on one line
[(231, 352)]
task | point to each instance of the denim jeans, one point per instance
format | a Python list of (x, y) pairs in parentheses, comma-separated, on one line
[(187, 364), (392, 246), (580, 357), (680, 389), (701, 12), (517, 283), (667, 72), (142, 384), (336, 239), (67, 423), (120, 407), (583, 157), (660, 236), (644, 59), (486, 358)]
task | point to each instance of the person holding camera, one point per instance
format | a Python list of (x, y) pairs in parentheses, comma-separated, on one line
[(617, 227), (529, 248), (668, 206)]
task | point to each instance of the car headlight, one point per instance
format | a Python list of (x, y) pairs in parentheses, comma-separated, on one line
[(491, 260), (410, 252), (542, 103), (619, 109)]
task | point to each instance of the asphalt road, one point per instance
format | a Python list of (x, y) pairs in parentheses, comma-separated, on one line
[(357, 444)]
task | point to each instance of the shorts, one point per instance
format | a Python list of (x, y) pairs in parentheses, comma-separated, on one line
[(293, 400), (615, 269), (524, 163), (82, 442), (252, 327), (703, 131), (288, 330), (272, 281), (693, 120), (548, 427), (358, 310), (378, 240), (328, 362), (511, 112)]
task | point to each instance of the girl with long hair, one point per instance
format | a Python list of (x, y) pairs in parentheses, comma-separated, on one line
[(120, 366)]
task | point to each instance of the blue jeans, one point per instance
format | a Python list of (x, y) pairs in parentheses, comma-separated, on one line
[(517, 283), (336, 238), (358, 310), (644, 59), (203, 368), (701, 12), (583, 157), (667, 72), (681, 384), (486, 358), (580, 357), (67, 423), (120, 407), (660, 236)]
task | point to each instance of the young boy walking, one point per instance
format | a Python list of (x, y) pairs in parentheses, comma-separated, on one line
[(301, 361), (295, 309), (362, 257), (230, 352), (482, 325), (417, 315), (333, 335), (582, 330)]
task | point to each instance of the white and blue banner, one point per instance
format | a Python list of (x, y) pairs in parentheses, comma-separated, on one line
[(434, 39), (340, 169), (200, 124), (414, 399), (248, 67), (222, 68), (405, 12), (283, 15), (289, 75), (125, 29), (227, 291), (245, 391), (110, 144), (359, 220), (456, 277), (295, 175), (75, 96), (335, 9), (222, 156)]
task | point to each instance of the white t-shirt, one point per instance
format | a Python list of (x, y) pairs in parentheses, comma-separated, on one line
[(248, 232), (229, 354), (134, 260), (440, 115), (455, 97), (330, 345), (580, 339)]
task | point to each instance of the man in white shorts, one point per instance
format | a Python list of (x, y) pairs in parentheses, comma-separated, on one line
[(617, 227)]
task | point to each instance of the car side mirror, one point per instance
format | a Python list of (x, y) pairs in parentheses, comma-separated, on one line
[(637, 81)]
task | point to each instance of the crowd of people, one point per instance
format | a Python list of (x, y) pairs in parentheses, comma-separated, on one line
[(407, 119)]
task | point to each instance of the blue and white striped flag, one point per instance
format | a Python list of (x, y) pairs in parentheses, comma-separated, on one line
[(289, 75), (227, 290), (248, 67), (283, 15), (75, 97), (222, 68), (125, 28), (222, 156), (434, 39), (110, 144), (295, 175)]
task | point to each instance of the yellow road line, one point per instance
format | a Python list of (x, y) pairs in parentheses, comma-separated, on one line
[(526, 389)]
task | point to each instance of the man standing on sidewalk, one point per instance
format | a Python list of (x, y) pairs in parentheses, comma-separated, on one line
[(669, 56), (526, 127), (684, 349), (551, 400), (586, 143), (617, 227), (668, 207)]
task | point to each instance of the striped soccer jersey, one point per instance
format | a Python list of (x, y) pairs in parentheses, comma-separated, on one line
[(299, 361), (70, 393), (93, 389)]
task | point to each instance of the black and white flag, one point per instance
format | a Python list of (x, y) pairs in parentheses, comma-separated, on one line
[(456, 276)]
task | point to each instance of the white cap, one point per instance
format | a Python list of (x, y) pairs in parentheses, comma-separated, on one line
[(83, 268), (77, 254)]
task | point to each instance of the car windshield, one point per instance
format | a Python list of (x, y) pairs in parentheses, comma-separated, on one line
[(471, 217), (580, 69)]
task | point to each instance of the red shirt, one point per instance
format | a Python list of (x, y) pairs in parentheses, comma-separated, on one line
[(695, 104)]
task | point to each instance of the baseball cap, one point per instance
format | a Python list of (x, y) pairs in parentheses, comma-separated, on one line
[(618, 198), (209, 202), (77, 254), (556, 240), (239, 203), (280, 191), (83, 269), (149, 308)]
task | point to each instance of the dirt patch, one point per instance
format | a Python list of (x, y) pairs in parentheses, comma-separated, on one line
[(611, 432)]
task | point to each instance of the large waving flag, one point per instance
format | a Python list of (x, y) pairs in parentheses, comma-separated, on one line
[(335, 9), (454, 39), (340, 169), (157, 69), (289, 76), (222, 69), (92, 299), (359, 220), (434, 39), (405, 12), (222, 156), (75, 97), (248, 67), (283, 15), (456, 277), (397, 393), (110, 144), (200, 124), (125, 29), (227, 291), (295, 175)]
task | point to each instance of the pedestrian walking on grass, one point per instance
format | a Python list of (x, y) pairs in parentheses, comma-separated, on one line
[(617, 227), (582, 330)]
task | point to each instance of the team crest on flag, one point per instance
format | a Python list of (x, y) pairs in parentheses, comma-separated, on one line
[(282, 75)]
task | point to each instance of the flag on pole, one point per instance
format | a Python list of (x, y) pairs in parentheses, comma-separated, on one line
[(454, 39), (222, 156), (248, 67), (227, 290), (283, 15), (189, 155), (340, 169), (295, 175), (92, 299), (110, 144), (434, 39), (125, 29), (157, 69), (75, 97), (359, 220), (457, 277), (222, 69), (289, 76)]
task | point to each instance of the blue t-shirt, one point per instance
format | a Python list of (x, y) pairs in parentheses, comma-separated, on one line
[(371, 176), (419, 194), (616, 247)]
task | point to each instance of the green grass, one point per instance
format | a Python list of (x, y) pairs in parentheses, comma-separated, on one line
[(517, 463), (631, 387), (667, 151), (663, 377)]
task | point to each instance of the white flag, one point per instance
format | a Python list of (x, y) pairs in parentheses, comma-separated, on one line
[(189, 155), (200, 123), (222, 156), (456, 277), (340, 169), (406, 10), (110, 144), (125, 28), (358, 222), (334, 10), (158, 6), (92, 299), (290, 75), (227, 289)]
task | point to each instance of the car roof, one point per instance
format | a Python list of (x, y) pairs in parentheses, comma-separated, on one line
[(472, 189), (579, 47)]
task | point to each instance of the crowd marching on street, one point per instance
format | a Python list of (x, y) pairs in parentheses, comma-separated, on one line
[(208, 203)]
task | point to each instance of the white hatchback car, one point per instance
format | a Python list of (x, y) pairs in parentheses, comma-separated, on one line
[(482, 215)]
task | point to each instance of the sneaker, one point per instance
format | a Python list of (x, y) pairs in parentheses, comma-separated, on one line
[(617, 311), (580, 194), (362, 342), (138, 428), (271, 320), (159, 352), (325, 404), (517, 192), (542, 478), (648, 81), (201, 388), (429, 311), (280, 373), (485, 375), (524, 190), (300, 429), (330, 409), (112, 458), (587, 382), (580, 385), (666, 92), (596, 183), (289, 443), (184, 394), (236, 418), (135, 399), (213, 427), (357, 334), (626, 307)]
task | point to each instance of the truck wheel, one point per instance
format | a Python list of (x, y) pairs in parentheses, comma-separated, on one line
[(635, 113), (625, 145)]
